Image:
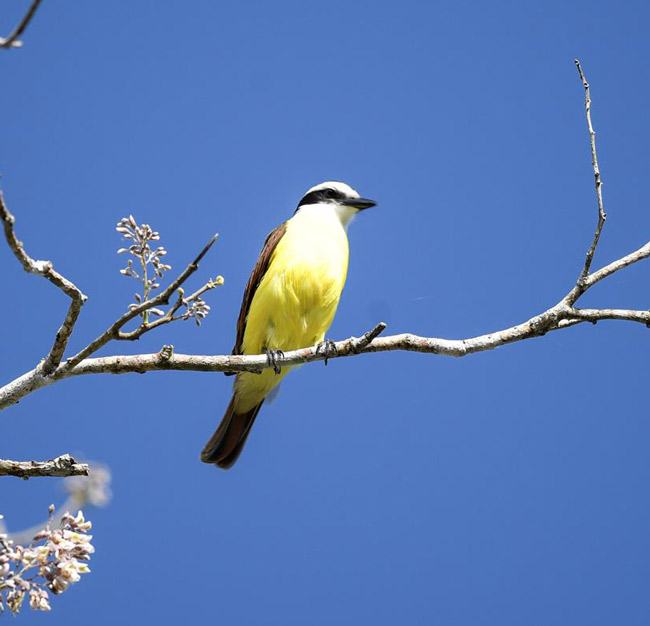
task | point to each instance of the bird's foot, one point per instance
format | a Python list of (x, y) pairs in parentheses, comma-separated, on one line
[(327, 348), (272, 357)]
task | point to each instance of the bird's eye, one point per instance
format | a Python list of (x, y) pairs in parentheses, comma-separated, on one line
[(330, 193)]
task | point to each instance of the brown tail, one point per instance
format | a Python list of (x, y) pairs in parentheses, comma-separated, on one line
[(228, 440)]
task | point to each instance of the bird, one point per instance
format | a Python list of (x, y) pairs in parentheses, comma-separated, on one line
[(289, 303)]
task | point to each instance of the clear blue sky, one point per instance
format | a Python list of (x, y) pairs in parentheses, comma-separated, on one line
[(505, 488)]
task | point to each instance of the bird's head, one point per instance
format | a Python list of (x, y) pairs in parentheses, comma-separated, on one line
[(336, 196)]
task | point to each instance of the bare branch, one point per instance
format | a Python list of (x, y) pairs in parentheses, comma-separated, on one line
[(560, 316), (357, 345), (63, 465), (556, 318), (596, 315), (42, 268), (634, 257), (598, 181), (12, 40), (83, 492), (45, 269)]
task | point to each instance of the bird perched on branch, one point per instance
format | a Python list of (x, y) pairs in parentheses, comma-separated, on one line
[(289, 303)]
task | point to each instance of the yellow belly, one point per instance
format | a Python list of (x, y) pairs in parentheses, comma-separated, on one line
[(295, 303)]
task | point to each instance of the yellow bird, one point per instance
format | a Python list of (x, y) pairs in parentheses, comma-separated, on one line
[(289, 303)]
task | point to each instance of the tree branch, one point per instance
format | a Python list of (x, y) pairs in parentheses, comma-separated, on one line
[(51, 368), (46, 270), (555, 318), (562, 315), (12, 40), (63, 465), (597, 179), (170, 315), (615, 266), (558, 317)]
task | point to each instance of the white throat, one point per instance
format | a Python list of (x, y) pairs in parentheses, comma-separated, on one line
[(341, 213), (345, 214)]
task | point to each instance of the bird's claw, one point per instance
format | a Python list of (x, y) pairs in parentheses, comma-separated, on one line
[(327, 348), (272, 357)]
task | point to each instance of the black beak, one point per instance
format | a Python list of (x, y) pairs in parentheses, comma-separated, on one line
[(358, 203)]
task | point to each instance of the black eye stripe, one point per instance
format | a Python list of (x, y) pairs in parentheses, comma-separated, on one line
[(321, 195)]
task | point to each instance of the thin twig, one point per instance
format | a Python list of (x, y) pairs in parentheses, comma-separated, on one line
[(12, 40), (597, 178), (145, 327), (63, 465), (357, 345), (596, 315), (45, 269)]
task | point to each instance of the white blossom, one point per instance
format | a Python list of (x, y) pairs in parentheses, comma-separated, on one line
[(54, 560)]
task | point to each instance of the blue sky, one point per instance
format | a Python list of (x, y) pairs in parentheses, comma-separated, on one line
[(508, 487)]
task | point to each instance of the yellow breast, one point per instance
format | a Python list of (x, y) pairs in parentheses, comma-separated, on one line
[(295, 303)]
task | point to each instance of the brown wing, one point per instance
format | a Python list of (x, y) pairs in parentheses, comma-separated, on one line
[(256, 278)]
